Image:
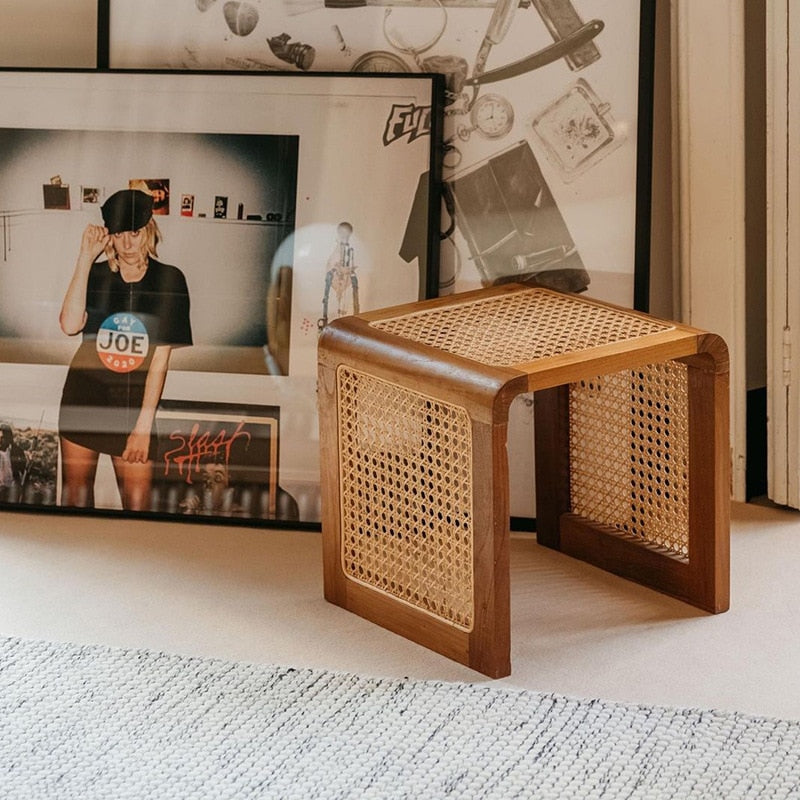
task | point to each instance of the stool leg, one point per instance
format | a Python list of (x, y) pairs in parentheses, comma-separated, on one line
[(702, 577), (444, 580), (490, 640), (551, 440), (709, 482), (334, 579)]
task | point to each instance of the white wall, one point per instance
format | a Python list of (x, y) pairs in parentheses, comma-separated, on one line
[(710, 181)]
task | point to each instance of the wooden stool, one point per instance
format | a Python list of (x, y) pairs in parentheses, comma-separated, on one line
[(632, 457)]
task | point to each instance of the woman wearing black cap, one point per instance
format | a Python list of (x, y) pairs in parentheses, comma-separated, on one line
[(132, 310)]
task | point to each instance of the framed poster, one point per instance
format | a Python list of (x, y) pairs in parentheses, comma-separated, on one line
[(40, 34), (159, 357), (560, 88), (219, 459)]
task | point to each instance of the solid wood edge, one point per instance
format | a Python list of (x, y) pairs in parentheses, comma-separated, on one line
[(716, 348), (490, 642), (710, 472), (353, 337), (607, 359), (333, 586), (623, 555), (552, 464), (416, 625)]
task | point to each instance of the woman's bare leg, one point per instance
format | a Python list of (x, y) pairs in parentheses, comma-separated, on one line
[(78, 470), (134, 480)]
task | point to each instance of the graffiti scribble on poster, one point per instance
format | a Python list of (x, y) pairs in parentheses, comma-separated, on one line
[(407, 120), (197, 447)]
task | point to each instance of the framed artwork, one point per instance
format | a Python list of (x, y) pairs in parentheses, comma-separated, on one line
[(40, 34), (219, 459), (561, 89), (159, 358)]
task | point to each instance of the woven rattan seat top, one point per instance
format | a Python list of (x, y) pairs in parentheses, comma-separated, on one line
[(520, 327)]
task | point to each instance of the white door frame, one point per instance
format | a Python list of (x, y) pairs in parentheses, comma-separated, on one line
[(708, 122), (783, 249)]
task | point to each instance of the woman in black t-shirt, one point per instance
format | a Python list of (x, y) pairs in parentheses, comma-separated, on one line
[(132, 310)]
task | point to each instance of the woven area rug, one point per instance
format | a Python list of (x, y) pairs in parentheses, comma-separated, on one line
[(93, 722)]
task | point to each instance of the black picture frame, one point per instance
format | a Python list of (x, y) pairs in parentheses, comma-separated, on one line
[(103, 33), (644, 154), (262, 279)]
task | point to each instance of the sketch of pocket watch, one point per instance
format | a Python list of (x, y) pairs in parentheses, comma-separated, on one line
[(491, 115), (577, 131), (379, 61)]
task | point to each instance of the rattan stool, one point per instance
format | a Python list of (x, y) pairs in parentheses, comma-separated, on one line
[(632, 457)]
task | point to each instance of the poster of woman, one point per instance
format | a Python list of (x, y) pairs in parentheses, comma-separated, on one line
[(113, 314)]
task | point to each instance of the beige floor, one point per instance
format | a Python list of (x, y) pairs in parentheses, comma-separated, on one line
[(255, 595)]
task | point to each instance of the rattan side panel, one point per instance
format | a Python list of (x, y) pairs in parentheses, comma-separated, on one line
[(629, 453), (520, 327), (405, 466)]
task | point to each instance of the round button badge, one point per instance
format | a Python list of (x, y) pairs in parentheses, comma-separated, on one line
[(122, 342)]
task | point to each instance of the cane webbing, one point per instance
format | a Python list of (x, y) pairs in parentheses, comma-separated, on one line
[(629, 453), (519, 327), (405, 466)]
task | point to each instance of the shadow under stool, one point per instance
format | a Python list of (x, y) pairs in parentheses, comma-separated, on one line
[(632, 457)]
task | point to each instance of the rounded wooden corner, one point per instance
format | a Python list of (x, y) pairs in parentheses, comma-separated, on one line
[(714, 346)]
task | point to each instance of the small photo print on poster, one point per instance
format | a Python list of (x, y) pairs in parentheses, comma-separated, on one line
[(220, 207), (158, 188), (187, 205), (91, 196), (56, 194), (28, 463), (219, 460)]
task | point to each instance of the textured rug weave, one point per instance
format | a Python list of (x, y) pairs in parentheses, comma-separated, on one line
[(92, 722)]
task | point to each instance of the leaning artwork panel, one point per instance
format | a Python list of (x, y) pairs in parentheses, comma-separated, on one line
[(172, 246)]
